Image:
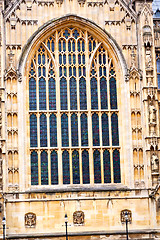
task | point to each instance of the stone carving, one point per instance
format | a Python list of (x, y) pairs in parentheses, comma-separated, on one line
[(78, 218), (127, 213), (154, 163), (30, 219), (152, 113), (81, 2), (148, 58), (158, 203)]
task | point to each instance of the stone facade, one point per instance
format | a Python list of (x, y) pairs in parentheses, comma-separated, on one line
[(130, 35)]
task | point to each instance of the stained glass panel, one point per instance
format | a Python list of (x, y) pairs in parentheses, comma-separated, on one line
[(94, 93), (42, 94), (97, 167), (32, 94), (52, 94), (85, 167), (82, 94), (84, 130), (53, 130), (95, 129), (63, 93), (73, 93), (116, 166), (43, 130), (66, 168), (103, 90), (33, 130), (74, 129), (34, 168), (64, 130), (44, 168), (106, 166), (105, 130), (54, 168), (114, 124), (113, 93), (75, 167)]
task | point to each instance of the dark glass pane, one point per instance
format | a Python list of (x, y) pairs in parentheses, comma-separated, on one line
[(116, 166), (66, 34), (73, 93), (64, 130), (82, 93), (39, 71), (103, 89), (158, 65), (43, 59), (59, 45), (85, 167), (34, 168), (53, 130), (60, 58), (43, 131), (114, 125), (75, 167), (32, 94), (66, 169), (75, 34), (69, 46), (106, 166), (33, 131), (44, 71), (44, 168), (84, 130), (54, 168), (113, 93), (39, 59), (52, 94), (63, 90), (94, 94), (42, 94), (95, 129), (158, 76), (97, 167), (52, 45), (105, 130), (74, 129), (64, 58)]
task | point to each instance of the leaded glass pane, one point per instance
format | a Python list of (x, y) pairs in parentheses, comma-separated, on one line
[(73, 93), (44, 168), (53, 130), (63, 93), (54, 168), (158, 65), (74, 129), (34, 168), (114, 124), (66, 168), (33, 130), (64, 130), (158, 76), (75, 167), (103, 89), (105, 130), (116, 166), (82, 94), (43, 130), (95, 129), (32, 94), (85, 167), (113, 93), (84, 130), (106, 166), (52, 94), (94, 93), (97, 167), (42, 94)]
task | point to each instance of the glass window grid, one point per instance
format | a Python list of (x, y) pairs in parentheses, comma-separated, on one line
[(79, 111)]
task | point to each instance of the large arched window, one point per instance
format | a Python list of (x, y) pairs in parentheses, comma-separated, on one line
[(73, 108)]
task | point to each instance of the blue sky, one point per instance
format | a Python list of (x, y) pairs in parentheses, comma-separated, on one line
[(156, 5)]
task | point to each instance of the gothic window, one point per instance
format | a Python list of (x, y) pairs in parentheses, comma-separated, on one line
[(158, 69), (73, 111)]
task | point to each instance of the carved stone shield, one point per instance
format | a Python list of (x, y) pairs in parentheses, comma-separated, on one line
[(30, 219), (78, 218), (129, 215)]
